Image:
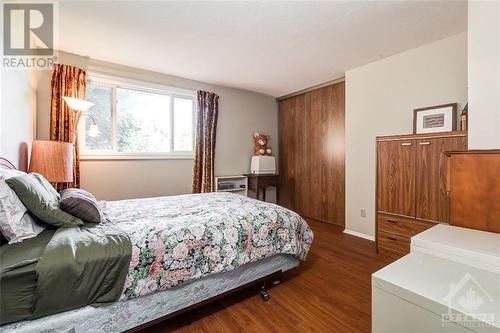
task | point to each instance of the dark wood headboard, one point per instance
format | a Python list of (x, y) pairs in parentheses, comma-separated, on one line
[(473, 183)]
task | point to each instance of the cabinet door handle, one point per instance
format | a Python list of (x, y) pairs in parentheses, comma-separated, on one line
[(406, 144), (426, 143), (391, 238), (392, 221)]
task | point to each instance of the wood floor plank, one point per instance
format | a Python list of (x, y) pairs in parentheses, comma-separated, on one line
[(329, 292)]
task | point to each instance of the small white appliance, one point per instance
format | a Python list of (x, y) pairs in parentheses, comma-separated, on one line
[(448, 283), (263, 165)]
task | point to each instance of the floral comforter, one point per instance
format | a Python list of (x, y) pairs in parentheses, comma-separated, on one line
[(181, 238)]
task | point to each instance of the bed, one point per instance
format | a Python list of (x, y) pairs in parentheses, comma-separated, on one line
[(186, 250)]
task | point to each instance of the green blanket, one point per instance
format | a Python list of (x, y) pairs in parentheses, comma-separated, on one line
[(18, 276), (78, 266)]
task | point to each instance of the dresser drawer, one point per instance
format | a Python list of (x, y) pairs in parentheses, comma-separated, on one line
[(401, 226), (393, 242)]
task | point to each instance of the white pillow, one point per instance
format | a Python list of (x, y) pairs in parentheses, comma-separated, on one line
[(16, 224), (8, 173)]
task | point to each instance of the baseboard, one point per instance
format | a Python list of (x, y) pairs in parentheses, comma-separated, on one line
[(359, 234)]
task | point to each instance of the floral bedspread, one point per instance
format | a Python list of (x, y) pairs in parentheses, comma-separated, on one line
[(180, 238)]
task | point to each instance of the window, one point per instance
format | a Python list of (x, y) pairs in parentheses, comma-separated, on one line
[(137, 120)]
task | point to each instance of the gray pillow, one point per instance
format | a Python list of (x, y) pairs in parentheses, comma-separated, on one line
[(42, 200), (81, 204)]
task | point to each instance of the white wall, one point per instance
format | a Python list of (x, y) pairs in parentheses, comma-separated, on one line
[(484, 74), (17, 116), (380, 99), (240, 114)]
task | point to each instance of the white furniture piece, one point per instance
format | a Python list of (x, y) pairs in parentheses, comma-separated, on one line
[(236, 184), (450, 282), (261, 165)]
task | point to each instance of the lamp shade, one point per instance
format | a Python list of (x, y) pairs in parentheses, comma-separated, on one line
[(53, 160), (78, 104)]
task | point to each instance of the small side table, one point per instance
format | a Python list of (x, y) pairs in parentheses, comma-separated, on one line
[(256, 183)]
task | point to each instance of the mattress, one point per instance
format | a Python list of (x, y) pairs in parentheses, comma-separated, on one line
[(123, 315)]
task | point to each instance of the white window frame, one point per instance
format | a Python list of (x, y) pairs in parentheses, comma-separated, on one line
[(113, 154)]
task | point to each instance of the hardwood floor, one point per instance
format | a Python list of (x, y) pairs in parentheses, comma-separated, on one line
[(330, 292)]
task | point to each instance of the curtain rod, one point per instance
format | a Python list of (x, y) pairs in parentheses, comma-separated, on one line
[(318, 86)]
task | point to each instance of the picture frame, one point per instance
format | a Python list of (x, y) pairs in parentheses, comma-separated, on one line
[(435, 119)]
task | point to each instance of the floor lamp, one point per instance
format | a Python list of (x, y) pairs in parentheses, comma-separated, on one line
[(80, 106)]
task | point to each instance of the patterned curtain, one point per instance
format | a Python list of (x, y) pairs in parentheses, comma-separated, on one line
[(206, 128), (66, 81)]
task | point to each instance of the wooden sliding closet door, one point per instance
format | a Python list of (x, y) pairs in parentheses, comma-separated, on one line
[(325, 148), (294, 180)]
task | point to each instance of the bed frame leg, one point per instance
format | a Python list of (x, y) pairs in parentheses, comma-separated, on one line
[(263, 292)]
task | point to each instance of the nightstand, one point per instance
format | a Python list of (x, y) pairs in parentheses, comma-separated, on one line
[(256, 183)]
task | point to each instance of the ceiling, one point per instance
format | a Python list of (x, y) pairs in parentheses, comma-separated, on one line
[(270, 47)]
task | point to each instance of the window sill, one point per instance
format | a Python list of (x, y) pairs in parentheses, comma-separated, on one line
[(106, 157)]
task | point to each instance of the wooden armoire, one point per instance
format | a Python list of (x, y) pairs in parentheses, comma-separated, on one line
[(311, 127), (411, 185)]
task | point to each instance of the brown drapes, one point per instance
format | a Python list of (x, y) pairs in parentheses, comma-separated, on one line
[(206, 128), (66, 81)]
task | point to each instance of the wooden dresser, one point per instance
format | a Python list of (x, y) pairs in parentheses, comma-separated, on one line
[(411, 191)]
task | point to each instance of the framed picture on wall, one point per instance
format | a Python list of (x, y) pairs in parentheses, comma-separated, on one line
[(433, 119)]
